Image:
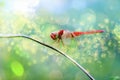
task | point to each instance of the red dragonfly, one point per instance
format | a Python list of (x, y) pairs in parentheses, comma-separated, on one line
[(64, 34)]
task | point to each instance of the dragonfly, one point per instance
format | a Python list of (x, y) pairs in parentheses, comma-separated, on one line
[(66, 34)]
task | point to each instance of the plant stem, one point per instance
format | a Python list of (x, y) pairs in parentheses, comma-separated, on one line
[(46, 45)]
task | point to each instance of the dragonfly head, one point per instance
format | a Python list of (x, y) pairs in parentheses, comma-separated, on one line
[(53, 36)]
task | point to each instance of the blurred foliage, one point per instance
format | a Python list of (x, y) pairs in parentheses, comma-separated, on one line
[(22, 59)]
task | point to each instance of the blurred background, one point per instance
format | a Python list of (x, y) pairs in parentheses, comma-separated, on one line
[(23, 59)]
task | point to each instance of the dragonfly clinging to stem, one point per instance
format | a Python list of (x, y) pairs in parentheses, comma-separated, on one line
[(64, 34)]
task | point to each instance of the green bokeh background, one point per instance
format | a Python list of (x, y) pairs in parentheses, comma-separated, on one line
[(99, 54)]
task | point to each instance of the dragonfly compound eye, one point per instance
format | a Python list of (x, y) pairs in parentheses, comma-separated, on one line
[(53, 36)]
